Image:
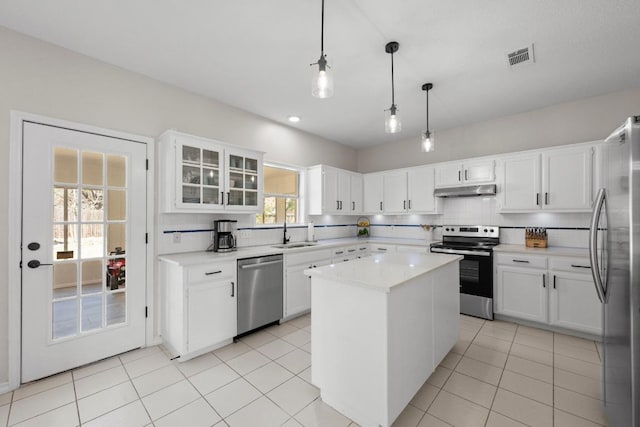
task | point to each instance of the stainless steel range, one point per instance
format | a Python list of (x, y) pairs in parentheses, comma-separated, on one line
[(475, 243)]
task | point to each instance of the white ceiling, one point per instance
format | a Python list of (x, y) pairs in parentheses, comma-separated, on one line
[(255, 54)]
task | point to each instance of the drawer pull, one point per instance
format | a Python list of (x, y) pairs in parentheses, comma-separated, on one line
[(233, 289), (209, 273), (382, 249), (581, 266), (339, 252), (362, 249), (351, 250), (521, 260), (554, 281)]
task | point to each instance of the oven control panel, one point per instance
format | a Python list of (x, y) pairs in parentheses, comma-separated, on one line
[(471, 230)]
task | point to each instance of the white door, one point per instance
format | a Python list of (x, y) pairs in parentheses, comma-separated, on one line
[(355, 194), (566, 179), (84, 222), (394, 192), (522, 293), (421, 183), (373, 193), (331, 203), (573, 304), (478, 172), (521, 183), (448, 174)]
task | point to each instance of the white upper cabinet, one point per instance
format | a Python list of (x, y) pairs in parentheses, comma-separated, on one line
[(373, 203), (421, 183), (202, 175), (567, 178), (333, 191), (555, 180), (394, 191), (472, 172)]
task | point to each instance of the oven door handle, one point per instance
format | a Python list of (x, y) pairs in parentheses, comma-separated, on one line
[(459, 252)]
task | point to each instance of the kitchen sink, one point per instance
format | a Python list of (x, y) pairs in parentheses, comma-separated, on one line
[(294, 245)]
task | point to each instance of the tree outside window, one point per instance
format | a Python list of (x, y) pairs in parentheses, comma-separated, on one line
[(281, 196)]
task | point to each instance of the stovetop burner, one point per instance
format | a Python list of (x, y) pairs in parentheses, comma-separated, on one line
[(469, 237)]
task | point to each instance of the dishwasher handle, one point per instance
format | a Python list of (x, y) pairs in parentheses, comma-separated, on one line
[(260, 264)]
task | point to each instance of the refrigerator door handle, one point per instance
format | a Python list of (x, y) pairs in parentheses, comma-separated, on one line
[(593, 243)]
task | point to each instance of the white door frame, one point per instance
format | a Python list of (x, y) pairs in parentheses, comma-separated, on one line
[(14, 301)]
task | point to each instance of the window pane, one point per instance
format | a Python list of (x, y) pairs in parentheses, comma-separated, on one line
[(190, 154), (65, 241), (65, 280), (116, 239), (280, 181), (116, 171), (65, 165), (65, 318), (92, 240), (92, 168), (92, 277), (65, 204), (91, 312), (116, 308), (117, 205), (92, 205)]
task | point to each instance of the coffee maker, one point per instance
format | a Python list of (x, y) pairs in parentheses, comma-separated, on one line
[(223, 235)]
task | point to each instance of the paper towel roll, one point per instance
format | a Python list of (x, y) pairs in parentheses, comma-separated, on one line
[(311, 236)]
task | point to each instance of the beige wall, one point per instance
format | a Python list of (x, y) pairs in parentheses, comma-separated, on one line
[(588, 119), (41, 78)]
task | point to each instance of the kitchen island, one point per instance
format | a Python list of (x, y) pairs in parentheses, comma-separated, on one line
[(380, 326)]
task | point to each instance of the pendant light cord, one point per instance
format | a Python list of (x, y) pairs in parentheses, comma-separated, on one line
[(393, 92), (427, 110), (322, 31)]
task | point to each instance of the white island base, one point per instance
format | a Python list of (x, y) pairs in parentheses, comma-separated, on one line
[(380, 326)]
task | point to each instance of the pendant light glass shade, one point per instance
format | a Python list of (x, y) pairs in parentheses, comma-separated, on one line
[(392, 123), (427, 143), (322, 80)]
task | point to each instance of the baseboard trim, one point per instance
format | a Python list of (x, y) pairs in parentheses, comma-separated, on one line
[(4, 387)]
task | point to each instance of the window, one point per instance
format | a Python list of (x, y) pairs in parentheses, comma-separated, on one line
[(281, 196)]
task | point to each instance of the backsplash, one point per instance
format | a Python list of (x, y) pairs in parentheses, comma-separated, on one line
[(564, 229)]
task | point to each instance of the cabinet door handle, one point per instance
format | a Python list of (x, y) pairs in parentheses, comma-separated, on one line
[(580, 266), (233, 289), (459, 179), (546, 198), (339, 252), (409, 203), (465, 174), (340, 204), (381, 206), (521, 260), (537, 199), (209, 273), (337, 205), (544, 281), (382, 249), (222, 198), (554, 281), (354, 206), (228, 196), (404, 204)]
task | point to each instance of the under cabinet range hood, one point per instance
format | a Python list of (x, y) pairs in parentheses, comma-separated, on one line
[(467, 191)]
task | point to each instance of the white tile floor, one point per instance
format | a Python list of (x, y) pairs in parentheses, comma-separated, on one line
[(498, 374)]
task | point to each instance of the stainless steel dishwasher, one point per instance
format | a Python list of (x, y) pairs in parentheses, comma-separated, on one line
[(259, 292)]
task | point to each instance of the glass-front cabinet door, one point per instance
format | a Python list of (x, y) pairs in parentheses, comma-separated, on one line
[(244, 179), (199, 171)]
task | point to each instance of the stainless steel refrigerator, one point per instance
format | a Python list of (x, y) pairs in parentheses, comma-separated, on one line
[(615, 263)]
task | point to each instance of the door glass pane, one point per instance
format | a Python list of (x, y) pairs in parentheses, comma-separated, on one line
[(65, 241), (92, 205), (251, 199), (65, 204), (116, 205), (251, 182), (92, 240), (211, 177), (116, 273), (116, 171), (235, 180), (190, 194), (92, 277), (65, 280), (236, 162), (116, 239), (210, 157), (65, 318), (210, 196), (65, 165), (190, 175), (190, 154), (91, 312), (251, 164), (116, 308), (92, 168), (235, 198)]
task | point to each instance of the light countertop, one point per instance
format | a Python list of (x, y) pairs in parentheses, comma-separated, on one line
[(382, 272), (554, 250), (203, 257)]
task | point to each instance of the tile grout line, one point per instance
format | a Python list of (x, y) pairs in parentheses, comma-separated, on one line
[(10, 407), (500, 379), (134, 388), (75, 395)]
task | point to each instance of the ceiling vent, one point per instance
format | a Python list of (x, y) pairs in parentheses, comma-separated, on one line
[(521, 56)]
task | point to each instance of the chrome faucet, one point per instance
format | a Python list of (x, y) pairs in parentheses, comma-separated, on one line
[(285, 239)]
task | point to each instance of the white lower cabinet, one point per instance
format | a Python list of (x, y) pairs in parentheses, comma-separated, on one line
[(522, 293), (297, 286), (561, 294), (199, 307)]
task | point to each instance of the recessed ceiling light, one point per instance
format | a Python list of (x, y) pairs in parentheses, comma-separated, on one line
[(294, 119)]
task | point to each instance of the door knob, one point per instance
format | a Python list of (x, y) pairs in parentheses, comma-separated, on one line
[(34, 263), (33, 246)]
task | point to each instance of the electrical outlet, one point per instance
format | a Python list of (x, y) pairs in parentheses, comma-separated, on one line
[(244, 234), (177, 237)]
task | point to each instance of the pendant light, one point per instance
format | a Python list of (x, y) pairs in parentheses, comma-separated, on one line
[(322, 80), (392, 122), (428, 144)]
